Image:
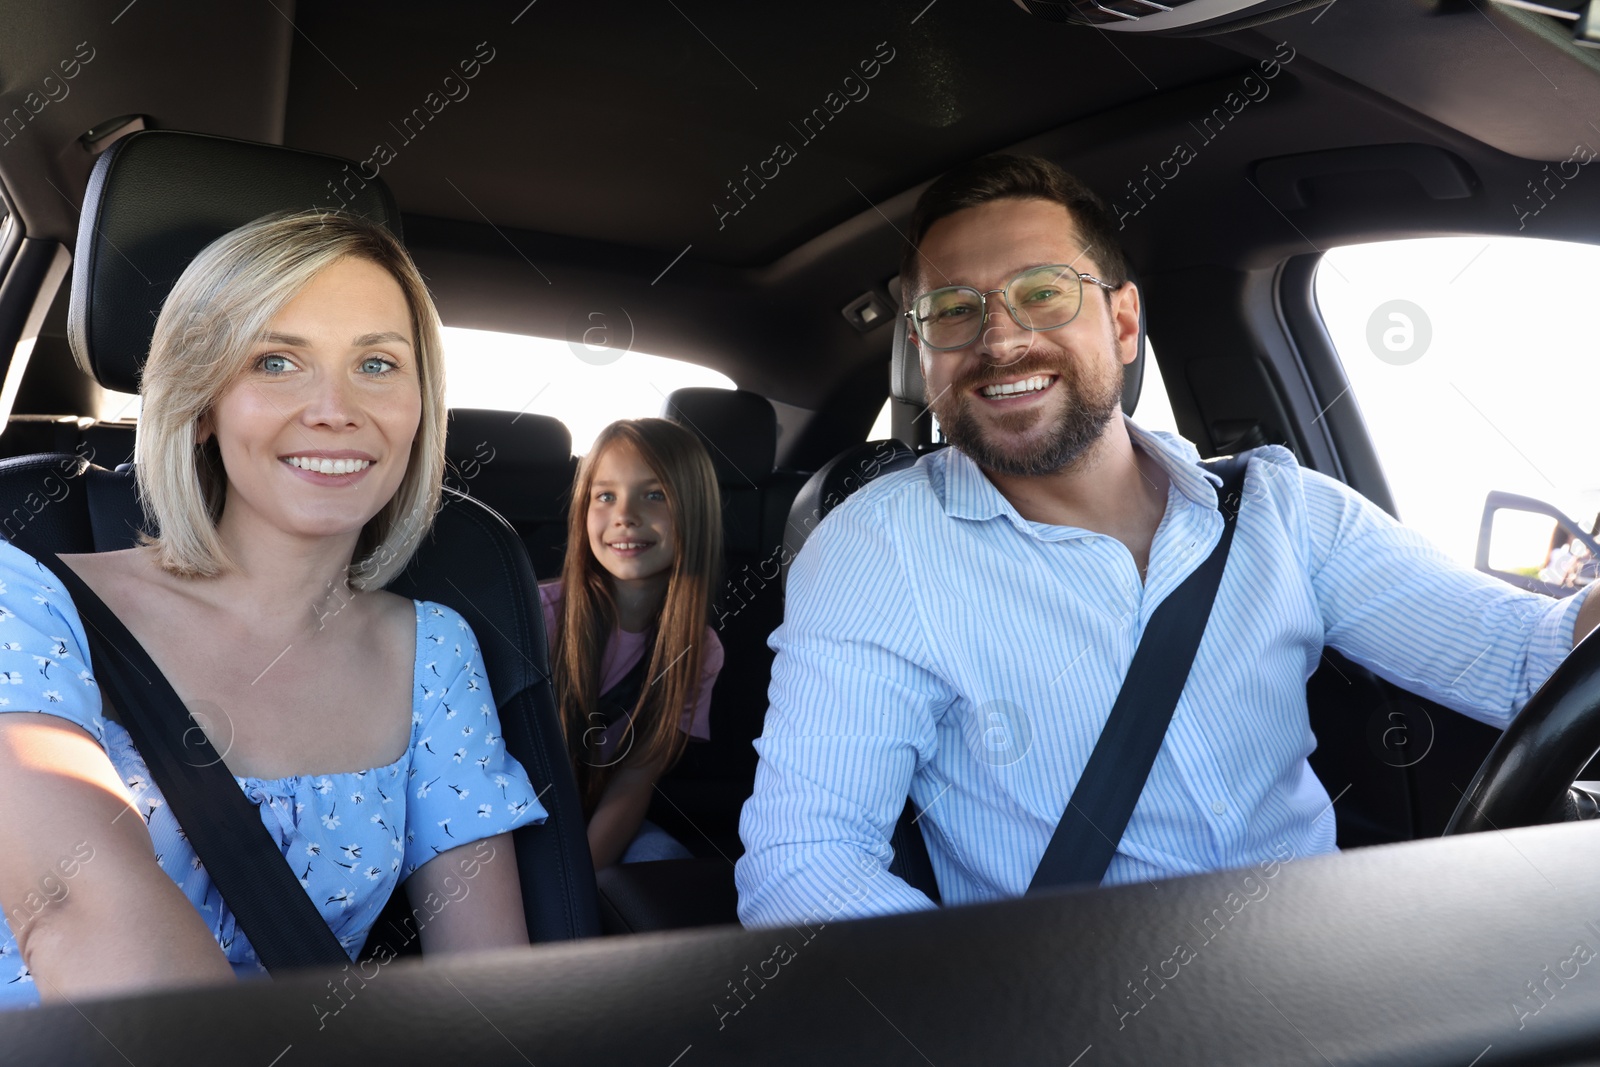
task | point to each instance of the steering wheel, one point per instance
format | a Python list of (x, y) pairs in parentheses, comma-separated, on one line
[(1526, 779)]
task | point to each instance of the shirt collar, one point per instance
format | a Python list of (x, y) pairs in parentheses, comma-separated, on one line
[(967, 493), (1181, 460)]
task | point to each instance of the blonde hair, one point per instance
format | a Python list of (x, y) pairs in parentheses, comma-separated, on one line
[(589, 612), (211, 322)]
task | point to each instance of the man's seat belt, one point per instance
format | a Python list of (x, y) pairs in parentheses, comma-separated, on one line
[(1086, 838), (222, 825)]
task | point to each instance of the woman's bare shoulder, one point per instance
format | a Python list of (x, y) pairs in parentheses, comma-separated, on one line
[(397, 611), (117, 562), (126, 569)]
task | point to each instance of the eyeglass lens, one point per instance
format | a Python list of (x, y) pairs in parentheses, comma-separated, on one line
[(1040, 299)]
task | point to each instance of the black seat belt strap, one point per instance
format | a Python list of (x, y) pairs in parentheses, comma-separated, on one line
[(223, 826), (1086, 838), (623, 697)]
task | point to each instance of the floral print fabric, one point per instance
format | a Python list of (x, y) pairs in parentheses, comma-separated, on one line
[(350, 838)]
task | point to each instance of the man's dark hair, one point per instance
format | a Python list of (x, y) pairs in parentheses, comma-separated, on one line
[(1015, 178)]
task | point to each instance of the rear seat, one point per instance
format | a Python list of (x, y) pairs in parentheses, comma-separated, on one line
[(522, 466), (699, 800)]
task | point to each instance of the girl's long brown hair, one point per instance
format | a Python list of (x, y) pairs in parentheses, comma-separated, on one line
[(589, 613)]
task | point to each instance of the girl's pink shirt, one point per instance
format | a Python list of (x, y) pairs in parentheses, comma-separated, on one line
[(624, 649)]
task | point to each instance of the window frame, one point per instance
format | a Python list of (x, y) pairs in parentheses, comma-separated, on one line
[(1327, 413)]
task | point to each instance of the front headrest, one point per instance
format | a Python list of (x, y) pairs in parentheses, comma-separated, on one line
[(739, 429), (906, 383), (521, 439), (905, 369), (155, 199)]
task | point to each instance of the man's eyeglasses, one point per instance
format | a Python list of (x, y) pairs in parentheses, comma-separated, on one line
[(1041, 298)]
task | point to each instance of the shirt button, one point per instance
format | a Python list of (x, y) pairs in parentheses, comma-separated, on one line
[(1219, 807)]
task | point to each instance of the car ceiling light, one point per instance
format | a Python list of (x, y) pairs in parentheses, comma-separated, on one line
[(102, 135), (867, 312)]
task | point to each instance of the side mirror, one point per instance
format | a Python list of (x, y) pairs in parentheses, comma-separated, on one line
[(1535, 546)]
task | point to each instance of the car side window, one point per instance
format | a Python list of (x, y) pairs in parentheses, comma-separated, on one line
[(1473, 364), (1154, 409)]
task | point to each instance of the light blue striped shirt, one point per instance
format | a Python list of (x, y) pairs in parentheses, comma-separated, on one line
[(936, 641)]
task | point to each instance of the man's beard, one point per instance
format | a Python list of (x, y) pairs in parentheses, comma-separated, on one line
[(1091, 404)]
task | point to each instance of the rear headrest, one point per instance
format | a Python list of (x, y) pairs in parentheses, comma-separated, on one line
[(905, 370), (155, 199), (516, 438), (740, 430), (521, 466)]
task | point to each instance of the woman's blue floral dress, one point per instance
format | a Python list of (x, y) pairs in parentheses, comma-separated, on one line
[(350, 837)]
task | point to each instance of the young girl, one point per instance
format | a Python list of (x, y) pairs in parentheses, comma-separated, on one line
[(633, 658)]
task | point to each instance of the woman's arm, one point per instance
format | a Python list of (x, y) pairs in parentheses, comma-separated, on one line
[(92, 912), (469, 898), (462, 883), (620, 813)]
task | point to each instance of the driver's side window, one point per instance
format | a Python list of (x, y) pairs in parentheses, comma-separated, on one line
[(1473, 361)]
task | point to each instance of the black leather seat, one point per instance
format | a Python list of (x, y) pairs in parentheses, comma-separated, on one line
[(154, 200), (700, 799), (522, 466)]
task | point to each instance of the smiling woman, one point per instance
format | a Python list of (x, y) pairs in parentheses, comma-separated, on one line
[(291, 445), (243, 345)]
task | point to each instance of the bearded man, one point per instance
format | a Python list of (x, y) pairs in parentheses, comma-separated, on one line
[(959, 631)]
